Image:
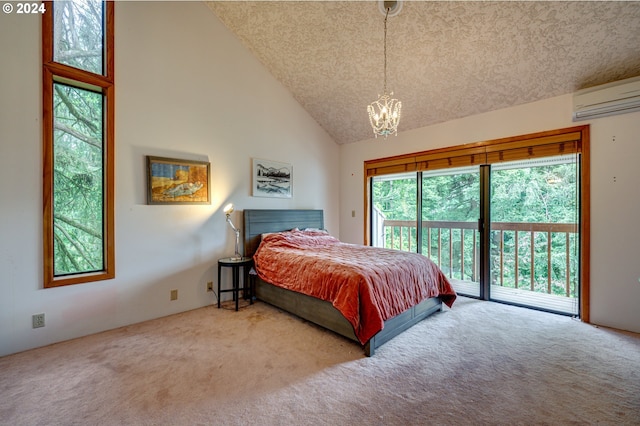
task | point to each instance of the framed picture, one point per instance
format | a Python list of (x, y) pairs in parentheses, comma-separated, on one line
[(272, 179), (173, 181)]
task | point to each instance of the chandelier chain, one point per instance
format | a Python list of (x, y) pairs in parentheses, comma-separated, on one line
[(386, 16)]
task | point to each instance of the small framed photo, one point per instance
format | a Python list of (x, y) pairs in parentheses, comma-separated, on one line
[(272, 179), (174, 181)]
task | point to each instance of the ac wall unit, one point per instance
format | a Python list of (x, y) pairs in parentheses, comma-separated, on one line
[(608, 99)]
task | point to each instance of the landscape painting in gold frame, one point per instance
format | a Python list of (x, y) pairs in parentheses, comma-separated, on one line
[(174, 181)]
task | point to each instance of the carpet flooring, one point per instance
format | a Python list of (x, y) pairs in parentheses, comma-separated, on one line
[(477, 363)]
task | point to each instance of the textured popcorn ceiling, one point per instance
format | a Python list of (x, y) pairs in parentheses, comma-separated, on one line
[(447, 60)]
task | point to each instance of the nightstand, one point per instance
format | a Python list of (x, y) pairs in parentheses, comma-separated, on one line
[(235, 264)]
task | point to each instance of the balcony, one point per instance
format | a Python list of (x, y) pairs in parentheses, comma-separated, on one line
[(532, 264)]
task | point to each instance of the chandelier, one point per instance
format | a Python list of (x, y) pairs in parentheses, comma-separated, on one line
[(384, 113)]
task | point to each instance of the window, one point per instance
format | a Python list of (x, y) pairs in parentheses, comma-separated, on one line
[(78, 142)]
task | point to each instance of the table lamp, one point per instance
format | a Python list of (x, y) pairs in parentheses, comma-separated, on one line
[(228, 209)]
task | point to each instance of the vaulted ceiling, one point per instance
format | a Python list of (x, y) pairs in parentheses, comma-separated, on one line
[(446, 60)]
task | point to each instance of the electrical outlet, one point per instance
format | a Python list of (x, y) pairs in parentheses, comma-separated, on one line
[(37, 320), (174, 294), (210, 286)]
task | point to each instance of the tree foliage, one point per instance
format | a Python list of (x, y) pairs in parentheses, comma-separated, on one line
[(78, 35)]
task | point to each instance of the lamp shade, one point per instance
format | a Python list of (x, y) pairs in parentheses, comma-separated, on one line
[(228, 209)]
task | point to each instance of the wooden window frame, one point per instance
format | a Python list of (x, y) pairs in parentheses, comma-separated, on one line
[(536, 145), (60, 73)]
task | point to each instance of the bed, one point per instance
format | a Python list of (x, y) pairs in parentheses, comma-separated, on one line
[(323, 312)]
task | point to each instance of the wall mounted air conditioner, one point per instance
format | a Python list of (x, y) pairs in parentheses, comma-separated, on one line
[(608, 99)]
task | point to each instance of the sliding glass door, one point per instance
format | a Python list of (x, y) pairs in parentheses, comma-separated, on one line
[(529, 251), (534, 245), (450, 212), (506, 220), (449, 202)]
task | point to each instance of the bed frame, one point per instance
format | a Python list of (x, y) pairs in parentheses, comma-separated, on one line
[(257, 222)]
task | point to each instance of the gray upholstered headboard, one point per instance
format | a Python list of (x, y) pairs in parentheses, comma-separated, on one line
[(257, 222)]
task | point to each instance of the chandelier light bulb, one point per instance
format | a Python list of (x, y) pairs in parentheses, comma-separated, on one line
[(384, 115)]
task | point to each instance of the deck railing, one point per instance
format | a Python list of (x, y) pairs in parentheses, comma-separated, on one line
[(539, 257)]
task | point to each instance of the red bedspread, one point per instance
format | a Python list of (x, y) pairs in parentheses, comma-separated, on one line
[(368, 285)]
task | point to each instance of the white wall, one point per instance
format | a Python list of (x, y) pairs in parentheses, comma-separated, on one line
[(615, 199), (185, 88)]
